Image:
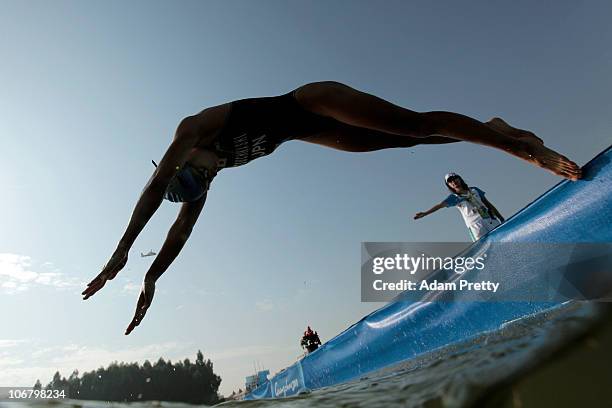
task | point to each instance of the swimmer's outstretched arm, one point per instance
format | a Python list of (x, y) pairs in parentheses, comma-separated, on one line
[(150, 199), (431, 210), (175, 240)]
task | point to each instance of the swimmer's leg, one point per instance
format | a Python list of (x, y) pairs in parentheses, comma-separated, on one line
[(360, 109), (355, 139)]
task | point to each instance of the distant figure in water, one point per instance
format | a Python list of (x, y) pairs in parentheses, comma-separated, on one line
[(479, 214), (325, 113), (310, 341)]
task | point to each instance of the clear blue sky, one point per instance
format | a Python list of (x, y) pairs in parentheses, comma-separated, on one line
[(92, 91)]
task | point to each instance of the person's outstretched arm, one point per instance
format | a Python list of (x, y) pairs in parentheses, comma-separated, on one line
[(431, 210), (492, 209), (175, 240), (186, 138)]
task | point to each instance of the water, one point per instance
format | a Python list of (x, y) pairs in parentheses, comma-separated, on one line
[(475, 373)]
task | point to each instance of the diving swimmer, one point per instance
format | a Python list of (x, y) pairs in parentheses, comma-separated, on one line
[(326, 113)]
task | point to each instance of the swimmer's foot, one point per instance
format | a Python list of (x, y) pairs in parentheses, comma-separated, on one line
[(502, 126), (531, 148), (536, 153)]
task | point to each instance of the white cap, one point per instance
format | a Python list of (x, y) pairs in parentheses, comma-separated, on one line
[(450, 175)]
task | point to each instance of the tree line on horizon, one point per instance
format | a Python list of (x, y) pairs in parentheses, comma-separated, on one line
[(194, 383)]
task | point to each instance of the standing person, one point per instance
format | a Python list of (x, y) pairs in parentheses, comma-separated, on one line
[(479, 214), (326, 113)]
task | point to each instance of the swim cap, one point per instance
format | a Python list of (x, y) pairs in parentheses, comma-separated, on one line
[(189, 184)]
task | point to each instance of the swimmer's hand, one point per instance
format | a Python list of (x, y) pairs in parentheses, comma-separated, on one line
[(110, 270), (144, 301)]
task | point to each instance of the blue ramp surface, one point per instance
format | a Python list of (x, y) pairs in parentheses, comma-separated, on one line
[(571, 212)]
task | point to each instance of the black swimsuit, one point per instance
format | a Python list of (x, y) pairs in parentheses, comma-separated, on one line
[(255, 127)]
